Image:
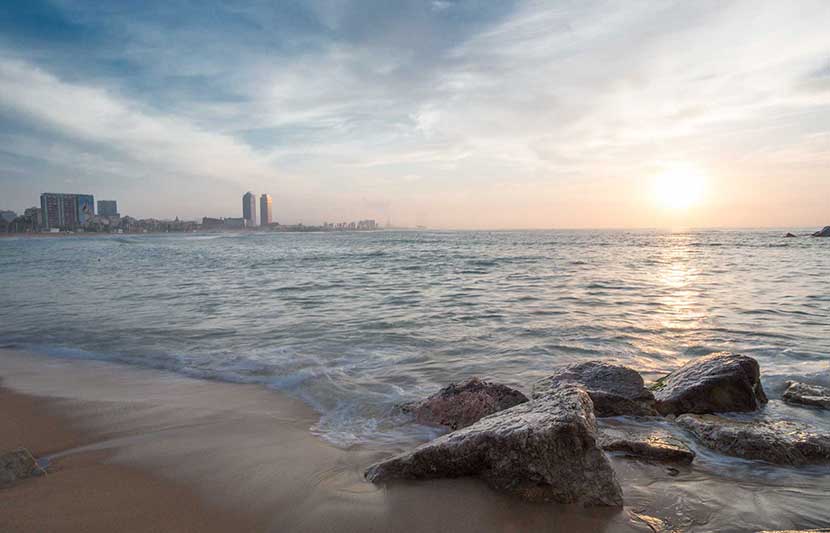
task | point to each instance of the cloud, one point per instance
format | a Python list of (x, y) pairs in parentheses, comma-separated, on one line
[(333, 100)]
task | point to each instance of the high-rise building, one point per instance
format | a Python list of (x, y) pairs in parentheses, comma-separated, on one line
[(265, 209), (249, 208), (67, 211), (107, 208)]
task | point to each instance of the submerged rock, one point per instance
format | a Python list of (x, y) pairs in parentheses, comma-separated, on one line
[(17, 464), (653, 446), (805, 394), (458, 406), (542, 450), (789, 235), (824, 232), (720, 382), (614, 389), (780, 442)]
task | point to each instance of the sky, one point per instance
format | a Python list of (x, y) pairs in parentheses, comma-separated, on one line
[(447, 114)]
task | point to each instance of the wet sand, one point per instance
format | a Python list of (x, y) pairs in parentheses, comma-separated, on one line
[(144, 450)]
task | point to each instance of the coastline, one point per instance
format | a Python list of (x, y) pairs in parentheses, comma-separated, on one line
[(190, 455)]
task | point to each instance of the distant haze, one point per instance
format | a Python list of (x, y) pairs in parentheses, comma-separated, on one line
[(459, 114)]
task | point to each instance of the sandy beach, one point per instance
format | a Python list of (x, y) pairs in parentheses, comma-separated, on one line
[(145, 450)]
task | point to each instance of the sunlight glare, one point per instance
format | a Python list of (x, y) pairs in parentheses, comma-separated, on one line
[(678, 188)]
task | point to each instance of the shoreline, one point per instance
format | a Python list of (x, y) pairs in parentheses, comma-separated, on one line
[(192, 455)]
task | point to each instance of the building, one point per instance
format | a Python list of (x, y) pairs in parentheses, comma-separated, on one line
[(235, 223), (108, 208), (66, 211), (249, 209), (265, 209), (8, 216), (212, 223), (367, 225)]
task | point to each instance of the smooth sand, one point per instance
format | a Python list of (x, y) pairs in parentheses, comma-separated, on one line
[(83, 492), (144, 450)]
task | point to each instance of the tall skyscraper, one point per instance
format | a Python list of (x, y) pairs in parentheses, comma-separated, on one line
[(249, 208), (265, 209), (107, 208), (66, 211)]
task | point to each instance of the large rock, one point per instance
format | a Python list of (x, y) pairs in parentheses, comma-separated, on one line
[(805, 394), (720, 382), (17, 464), (542, 450), (824, 232), (458, 406), (780, 442), (614, 389), (657, 445)]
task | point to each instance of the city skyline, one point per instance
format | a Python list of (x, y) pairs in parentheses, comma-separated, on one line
[(70, 210), (511, 115)]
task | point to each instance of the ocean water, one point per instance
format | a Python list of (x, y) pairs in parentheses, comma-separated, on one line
[(356, 323)]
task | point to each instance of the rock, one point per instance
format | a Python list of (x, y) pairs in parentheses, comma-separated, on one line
[(806, 394), (719, 382), (541, 450), (824, 232), (822, 530), (789, 235), (614, 389), (17, 464), (780, 442), (458, 406), (657, 446)]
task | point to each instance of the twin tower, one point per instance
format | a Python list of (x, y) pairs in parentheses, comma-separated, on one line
[(249, 209)]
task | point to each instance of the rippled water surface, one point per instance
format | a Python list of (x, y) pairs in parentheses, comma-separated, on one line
[(354, 323)]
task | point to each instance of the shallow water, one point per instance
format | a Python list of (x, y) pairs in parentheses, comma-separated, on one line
[(355, 323)]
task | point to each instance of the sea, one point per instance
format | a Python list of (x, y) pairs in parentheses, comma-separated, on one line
[(357, 323)]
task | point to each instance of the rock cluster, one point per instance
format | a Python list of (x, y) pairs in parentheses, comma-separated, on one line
[(549, 448), (17, 464), (805, 394), (458, 406), (717, 383), (614, 389)]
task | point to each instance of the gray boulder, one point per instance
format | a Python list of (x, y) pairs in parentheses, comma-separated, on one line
[(780, 442), (542, 450), (805, 394), (458, 406), (17, 464), (789, 235), (614, 389), (656, 445), (720, 382), (824, 232)]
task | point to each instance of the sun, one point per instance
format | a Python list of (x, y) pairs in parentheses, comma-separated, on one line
[(679, 187)]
